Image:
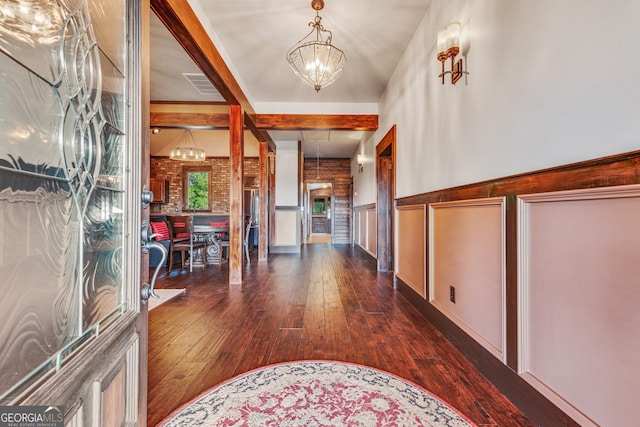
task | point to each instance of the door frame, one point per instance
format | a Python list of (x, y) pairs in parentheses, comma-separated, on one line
[(386, 193), (306, 200)]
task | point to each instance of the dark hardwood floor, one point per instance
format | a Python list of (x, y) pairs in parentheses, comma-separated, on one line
[(326, 303)]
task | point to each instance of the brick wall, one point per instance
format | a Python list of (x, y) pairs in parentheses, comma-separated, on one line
[(219, 167)]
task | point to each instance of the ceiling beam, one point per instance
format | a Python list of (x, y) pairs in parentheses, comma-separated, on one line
[(190, 120), (184, 25), (364, 122), (266, 122)]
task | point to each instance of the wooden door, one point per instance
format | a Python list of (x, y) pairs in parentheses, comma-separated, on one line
[(320, 220), (74, 141)]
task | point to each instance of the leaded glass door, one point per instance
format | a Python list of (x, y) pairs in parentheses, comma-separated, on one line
[(71, 331)]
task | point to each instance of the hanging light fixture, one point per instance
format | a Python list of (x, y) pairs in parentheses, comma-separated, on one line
[(186, 149), (317, 62)]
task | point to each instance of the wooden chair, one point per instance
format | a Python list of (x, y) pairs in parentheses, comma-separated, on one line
[(246, 238), (225, 243), (181, 233)]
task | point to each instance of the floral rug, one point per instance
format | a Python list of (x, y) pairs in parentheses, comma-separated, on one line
[(315, 394)]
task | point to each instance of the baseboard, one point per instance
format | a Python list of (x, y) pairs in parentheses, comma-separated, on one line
[(365, 252), (537, 408)]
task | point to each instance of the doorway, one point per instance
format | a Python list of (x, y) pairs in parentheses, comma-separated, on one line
[(385, 165), (318, 204)]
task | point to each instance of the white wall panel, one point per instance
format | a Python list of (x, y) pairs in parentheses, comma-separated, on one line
[(372, 231), (287, 173), (287, 226), (580, 301), (467, 252), (410, 247)]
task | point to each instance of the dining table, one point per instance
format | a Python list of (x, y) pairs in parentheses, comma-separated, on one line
[(214, 236)]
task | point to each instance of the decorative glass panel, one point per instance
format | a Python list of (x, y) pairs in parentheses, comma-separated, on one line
[(62, 136), (102, 256), (105, 16), (30, 121)]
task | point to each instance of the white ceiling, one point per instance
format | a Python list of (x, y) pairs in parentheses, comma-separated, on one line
[(253, 37)]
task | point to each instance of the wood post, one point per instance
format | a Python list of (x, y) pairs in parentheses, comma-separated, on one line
[(236, 193)]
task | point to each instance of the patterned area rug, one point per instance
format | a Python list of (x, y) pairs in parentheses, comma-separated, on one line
[(316, 393)]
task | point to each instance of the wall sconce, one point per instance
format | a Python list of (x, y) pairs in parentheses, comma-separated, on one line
[(360, 160), (271, 157), (449, 47)]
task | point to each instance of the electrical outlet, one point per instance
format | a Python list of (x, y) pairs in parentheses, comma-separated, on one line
[(452, 294)]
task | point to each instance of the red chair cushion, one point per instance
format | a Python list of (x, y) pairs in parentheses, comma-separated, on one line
[(220, 224), (161, 229)]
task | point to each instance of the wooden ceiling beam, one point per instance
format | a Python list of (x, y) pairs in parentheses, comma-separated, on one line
[(184, 25), (190, 120), (266, 122), (363, 122)]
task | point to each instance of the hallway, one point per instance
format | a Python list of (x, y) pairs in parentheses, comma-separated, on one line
[(326, 303)]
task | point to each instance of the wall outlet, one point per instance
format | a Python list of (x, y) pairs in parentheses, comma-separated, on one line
[(452, 294)]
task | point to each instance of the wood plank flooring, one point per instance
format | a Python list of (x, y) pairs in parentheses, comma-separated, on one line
[(328, 302)]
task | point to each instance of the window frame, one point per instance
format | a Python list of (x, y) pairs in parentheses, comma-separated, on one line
[(186, 170)]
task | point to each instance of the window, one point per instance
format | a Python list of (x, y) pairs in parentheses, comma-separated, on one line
[(319, 205), (196, 189)]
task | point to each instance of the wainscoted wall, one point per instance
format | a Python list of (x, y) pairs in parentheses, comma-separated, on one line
[(410, 256), (365, 228), (580, 301), (287, 230), (466, 267), (547, 297)]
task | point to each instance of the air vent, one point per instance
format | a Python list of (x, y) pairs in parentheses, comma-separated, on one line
[(201, 83)]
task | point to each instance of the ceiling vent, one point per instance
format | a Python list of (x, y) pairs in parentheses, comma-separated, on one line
[(201, 83)]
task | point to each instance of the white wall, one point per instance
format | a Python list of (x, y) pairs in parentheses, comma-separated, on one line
[(550, 82), (286, 173)]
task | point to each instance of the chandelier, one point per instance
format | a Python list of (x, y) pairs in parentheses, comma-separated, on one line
[(317, 62), (186, 149)]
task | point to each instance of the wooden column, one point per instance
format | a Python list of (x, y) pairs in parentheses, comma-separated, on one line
[(236, 210), (272, 198), (263, 193)]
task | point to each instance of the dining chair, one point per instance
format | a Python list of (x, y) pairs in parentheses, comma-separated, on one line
[(246, 238), (181, 233)]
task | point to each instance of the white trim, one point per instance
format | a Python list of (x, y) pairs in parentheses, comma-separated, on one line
[(617, 192), (557, 400)]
